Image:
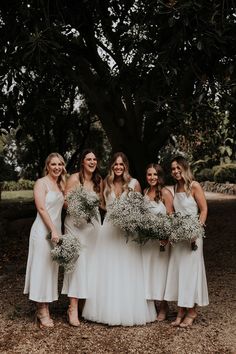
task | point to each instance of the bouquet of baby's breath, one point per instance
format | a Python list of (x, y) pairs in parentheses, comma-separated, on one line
[(82, 205), (154, 227), (66, 251), (127, 213), (186, 228)]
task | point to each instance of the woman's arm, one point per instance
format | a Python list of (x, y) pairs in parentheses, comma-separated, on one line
[(200, 198), (40, 191), (167, 200), (137, 187), (70, 185)]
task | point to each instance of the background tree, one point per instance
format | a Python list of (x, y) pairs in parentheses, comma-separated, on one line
[(147, 69)]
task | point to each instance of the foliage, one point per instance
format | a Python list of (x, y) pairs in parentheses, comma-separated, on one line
[(148, 70), (206, 174), (21, 184), (225, 173)]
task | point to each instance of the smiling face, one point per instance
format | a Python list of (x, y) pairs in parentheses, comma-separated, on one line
[(55, 167), (176, 171), (89, 163), (152, 176), (119, 167)]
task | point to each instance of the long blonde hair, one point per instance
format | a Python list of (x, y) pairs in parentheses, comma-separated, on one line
[(109, 180), (61, 181), (186, 173), (160, 184)]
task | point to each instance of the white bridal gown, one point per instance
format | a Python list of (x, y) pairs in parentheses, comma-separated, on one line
[(41, 280), (75, 284), (155, 263), (186, 278), (117, 294)]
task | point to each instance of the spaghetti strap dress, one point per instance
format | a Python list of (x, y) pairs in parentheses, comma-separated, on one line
[(186, 277), (155, 263), (117, 287), (75, 284), (41, 280)]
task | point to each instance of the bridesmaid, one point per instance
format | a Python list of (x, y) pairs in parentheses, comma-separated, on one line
[(75, 284), (118, 295), (155, 263), (41, 279), (186, 278)]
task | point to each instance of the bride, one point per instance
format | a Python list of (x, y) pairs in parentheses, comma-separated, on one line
[(117, 295)]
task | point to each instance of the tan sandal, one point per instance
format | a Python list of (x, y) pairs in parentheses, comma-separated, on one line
[(178, 320), (188, 321), (43, 320), (72, 316), (162, 315)]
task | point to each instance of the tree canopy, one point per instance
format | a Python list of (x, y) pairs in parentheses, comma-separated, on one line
[(147, 69)]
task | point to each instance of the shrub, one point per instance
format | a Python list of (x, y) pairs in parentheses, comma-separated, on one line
[(22, 184), (205, 174), (225, 173)]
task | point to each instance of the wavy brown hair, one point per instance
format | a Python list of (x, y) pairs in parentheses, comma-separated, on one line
[(96, 177), (160, 183), (186, 172), (61, 181), (109, 180)]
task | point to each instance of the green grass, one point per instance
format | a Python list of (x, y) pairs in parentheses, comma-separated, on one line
[(17, 195)]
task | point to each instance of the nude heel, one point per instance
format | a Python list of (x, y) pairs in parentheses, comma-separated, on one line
[(72, 316)]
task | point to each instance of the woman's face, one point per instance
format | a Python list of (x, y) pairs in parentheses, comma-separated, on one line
[(151, 176), (90, 163), (119, 167), (176, 171), (55, 167)]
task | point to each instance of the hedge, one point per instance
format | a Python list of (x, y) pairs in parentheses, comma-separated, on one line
[(22, 184)]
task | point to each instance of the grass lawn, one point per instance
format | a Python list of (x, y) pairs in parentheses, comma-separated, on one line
[(17, 195)]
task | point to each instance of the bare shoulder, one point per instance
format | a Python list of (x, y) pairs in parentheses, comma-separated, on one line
[(72, 181), (40, 183), (137, 186), (168, 191), (196, 186), (74, 177)]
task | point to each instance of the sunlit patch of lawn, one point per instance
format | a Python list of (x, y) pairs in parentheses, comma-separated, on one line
[(17, 195)]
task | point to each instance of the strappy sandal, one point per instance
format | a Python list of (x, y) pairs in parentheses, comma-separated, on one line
[(162, 315), (188, 321), (72, 316), (43, 321), (178, 320)]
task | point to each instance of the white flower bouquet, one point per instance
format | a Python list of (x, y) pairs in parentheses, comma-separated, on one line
[(155, 227), (66, 251), (82, 205), (127, 213), (131, 214), (186, 228)]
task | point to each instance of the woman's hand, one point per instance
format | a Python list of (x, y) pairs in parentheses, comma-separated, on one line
[(54, 237)]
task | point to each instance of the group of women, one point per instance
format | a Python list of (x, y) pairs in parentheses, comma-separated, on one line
[(121, 281)]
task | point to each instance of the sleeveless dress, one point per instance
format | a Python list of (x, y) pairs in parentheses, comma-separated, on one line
[(75, 284), (117, 287), (155, 263), (186, 278), (41, 280)]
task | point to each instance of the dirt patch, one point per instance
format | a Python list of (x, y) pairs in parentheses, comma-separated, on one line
[(213, 332)]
